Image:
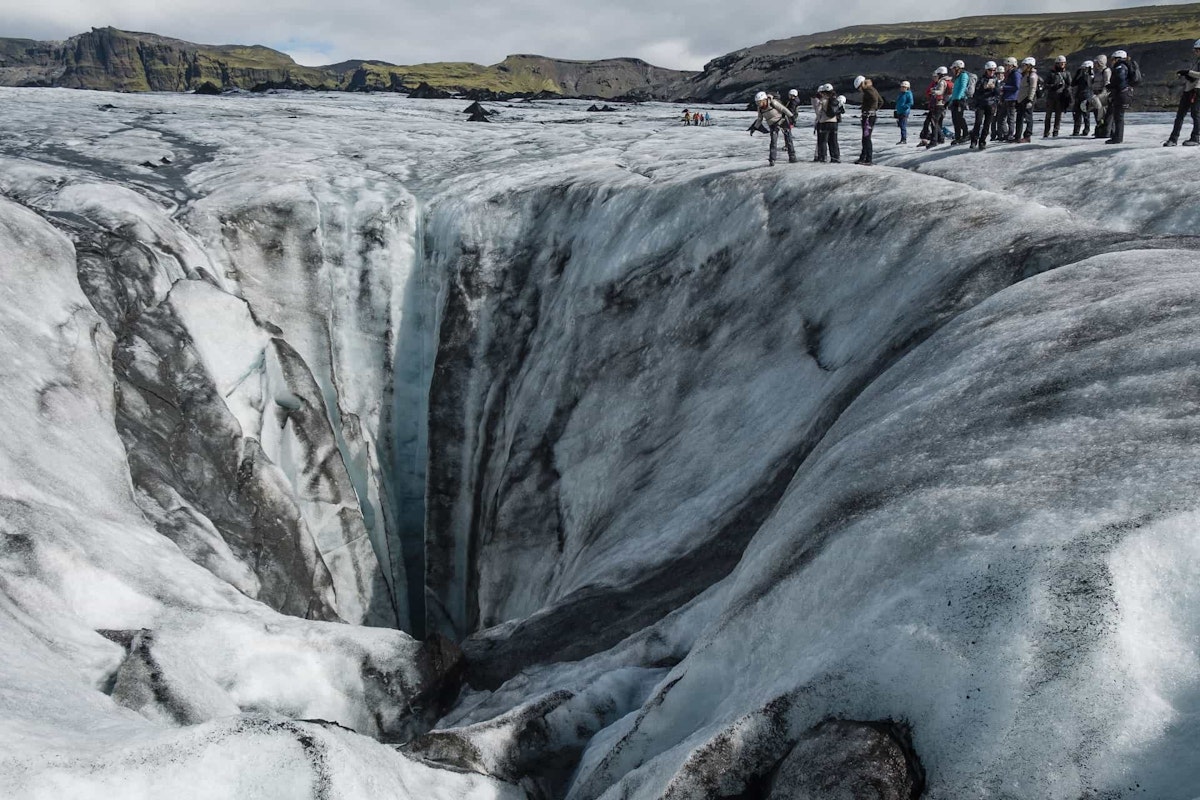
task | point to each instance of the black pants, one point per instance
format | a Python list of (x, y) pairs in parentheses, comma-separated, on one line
[(786, 130), (1054, 111), (1024, 119), (958, 113), (1189, 103), (827, 142), (985, 115), (1081, 113), (932, 131), (1116, 116), (868, 149)]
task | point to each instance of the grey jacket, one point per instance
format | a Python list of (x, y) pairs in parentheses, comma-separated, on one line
[(822, 106), (775, 113), (1029, 84)]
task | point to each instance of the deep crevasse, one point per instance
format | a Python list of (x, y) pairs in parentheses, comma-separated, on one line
[(614, 333)]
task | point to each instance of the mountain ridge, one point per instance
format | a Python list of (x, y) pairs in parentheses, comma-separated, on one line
[(133, 61)]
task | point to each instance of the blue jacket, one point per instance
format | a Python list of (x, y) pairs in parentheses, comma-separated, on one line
[(1012, 84), (904, 102), (960, 86)]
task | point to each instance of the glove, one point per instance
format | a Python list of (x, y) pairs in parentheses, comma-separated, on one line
[(1183, 73)]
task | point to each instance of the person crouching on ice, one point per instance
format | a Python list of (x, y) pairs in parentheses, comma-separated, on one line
[(871, 102), (773, 118), (829, 114)]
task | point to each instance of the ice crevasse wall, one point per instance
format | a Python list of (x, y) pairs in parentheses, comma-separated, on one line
[(733, 477)]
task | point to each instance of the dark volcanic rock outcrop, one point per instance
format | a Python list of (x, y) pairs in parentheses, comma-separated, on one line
[(1159, 37)]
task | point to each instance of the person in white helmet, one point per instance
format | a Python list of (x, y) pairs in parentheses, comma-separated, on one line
[(997, 125), (1100, 96), (958, 101), (871, 103), (1119, 90), (987, 95), (1189, 102), (904, 107), (829, 113), (1025, 98), (1058, 96), (936, 96), (1081, 99), (793, 104), (1012, 91), (774, 118)]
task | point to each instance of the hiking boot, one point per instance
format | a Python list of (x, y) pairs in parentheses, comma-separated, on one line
[(1192, 143), (1170, 143), (1113, 141), (1026, 140)]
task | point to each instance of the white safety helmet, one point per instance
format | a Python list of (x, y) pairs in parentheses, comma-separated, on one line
[(989, 65), (1010, 61), (940, 71), (1088, 65), (758, 98), (1060, 60), (1029, 62), (793, 92), (1102, 60), (859, 81), (959, 65), (1120, 54), (1000, 70), (1196, 45), (841, 98), (905, 85), (825, 87)]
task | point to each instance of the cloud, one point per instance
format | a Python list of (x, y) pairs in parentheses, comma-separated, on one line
[(672, 33)]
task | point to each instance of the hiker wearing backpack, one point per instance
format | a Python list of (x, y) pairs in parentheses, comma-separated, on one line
[(999, 111), (1102, 75), (904, 107), (1010, 96), (963, 89), (987, 95), (1189, 102), (829, 113), (1030, 82), (871, 103), (1120, 89), (1058, 96), (1081, 99), (774, 118), (935, 97)]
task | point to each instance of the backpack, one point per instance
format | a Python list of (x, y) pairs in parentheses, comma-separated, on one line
[(1134, 76), (971, 84), (1041, 87)]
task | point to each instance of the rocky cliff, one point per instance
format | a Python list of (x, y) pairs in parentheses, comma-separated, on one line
[(115, 60), (1159, 37)]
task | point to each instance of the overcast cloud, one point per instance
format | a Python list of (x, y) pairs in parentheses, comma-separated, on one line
[(671, 33)]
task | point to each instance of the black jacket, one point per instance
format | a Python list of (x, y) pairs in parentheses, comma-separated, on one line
[(1082, 84)]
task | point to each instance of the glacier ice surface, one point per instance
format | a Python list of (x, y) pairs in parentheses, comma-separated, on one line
[(711, 469)]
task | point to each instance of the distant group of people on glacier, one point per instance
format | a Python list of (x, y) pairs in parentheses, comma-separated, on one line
[(1002, 97), (696, 118)]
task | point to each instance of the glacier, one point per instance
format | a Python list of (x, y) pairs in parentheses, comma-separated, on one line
[(350, 449)]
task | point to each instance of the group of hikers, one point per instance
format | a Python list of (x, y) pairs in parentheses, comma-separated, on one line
[(1002, 96), (696, 118)]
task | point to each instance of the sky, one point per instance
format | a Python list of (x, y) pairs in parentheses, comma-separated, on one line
[(682, 34)]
